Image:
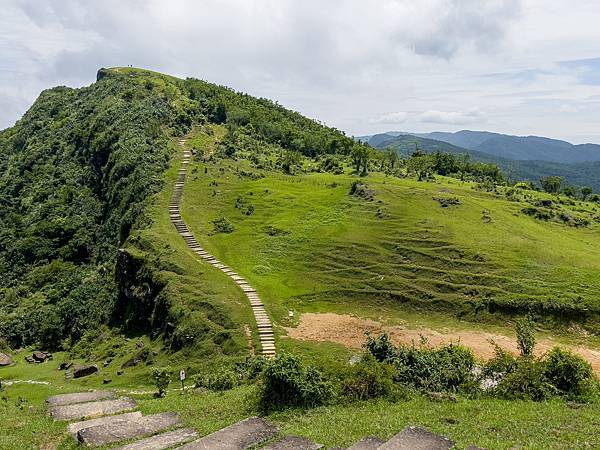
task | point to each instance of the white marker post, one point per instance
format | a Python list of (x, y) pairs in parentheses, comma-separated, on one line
[(182, 378)]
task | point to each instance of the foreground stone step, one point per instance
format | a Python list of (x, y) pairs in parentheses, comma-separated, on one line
[(238, 436), (163, 441), (80, 397), (367, 443), (293, 443), (107, 434), (91, 409), (414, 438), (75, 427)]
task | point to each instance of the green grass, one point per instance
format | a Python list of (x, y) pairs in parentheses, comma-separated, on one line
[(330, 251), (488, 423)]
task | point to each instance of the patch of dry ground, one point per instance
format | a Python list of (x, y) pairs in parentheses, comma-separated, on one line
[(350, 331)]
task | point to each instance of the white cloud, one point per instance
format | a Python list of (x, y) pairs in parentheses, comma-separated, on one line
[(390, 118), (341, 61), (469, 117)]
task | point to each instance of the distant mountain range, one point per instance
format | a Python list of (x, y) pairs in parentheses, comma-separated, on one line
[(526, 148), (521, 157)]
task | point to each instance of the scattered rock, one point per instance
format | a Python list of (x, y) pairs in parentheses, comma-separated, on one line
[(107, 362), (39, 357), (29, 359), (447, 201), (140, 344), (80, 397), (119, 372), (142, 356), (84, 370), (65, 365), (106, 381), (5, 360)]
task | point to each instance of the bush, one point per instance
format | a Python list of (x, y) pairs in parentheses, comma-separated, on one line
[(252, 368), (570, 374), (368, 379), (381, 347), (528, 381), (501, 364), (223, 225), (525, 336), (286, 381), (362, 190), (222, 380), (162, 378)]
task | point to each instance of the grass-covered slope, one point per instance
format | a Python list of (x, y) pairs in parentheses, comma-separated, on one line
[(308, 245)]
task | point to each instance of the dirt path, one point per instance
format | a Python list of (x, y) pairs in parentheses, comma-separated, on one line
[(350, 331)]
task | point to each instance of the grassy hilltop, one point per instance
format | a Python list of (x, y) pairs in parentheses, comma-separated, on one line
[(316, 222)]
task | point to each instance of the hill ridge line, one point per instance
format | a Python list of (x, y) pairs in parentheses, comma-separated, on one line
[(263, 322)]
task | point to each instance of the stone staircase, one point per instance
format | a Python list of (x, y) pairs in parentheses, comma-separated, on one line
[(265, 329), (100, 418)]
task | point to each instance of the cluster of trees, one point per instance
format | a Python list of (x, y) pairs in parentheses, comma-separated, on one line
[(556, 185), (423, 165), (268, 120)]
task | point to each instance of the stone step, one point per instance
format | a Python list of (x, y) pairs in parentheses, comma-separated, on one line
[(91, 409), (367, 443), (238, 436), (80, 397), (414, 438), (74, 427), (293, 443), (144, 426), (163, 441)]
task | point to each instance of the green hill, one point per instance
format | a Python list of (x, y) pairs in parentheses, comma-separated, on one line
[(336, 237)]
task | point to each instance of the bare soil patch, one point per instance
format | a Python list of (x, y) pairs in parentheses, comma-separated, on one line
[(350, 331)]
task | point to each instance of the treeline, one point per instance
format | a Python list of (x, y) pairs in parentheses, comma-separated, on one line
[(265, 119)]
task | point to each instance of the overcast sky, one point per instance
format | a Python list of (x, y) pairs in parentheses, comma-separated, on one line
[(365, 66)]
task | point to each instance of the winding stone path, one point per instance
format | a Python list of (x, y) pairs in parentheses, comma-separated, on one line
[(265, 328)]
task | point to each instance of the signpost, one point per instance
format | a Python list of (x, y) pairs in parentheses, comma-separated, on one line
[(182, 378)]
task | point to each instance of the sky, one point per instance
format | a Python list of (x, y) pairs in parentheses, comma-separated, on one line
[(525, 67)]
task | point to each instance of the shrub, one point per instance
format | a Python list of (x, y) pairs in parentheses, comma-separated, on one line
[(502, 363), (449, 368), (527, 381), (162, 378), (569, 373), (222, 380), (286, 381), (368, 379), (525, 336), (362, 190), (252, 368), (223, 225), (381, 347)]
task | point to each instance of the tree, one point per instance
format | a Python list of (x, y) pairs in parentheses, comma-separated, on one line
[(570, 191), (586, 191), (391, 157), (551, 184), (360, 158), (421, 165)]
